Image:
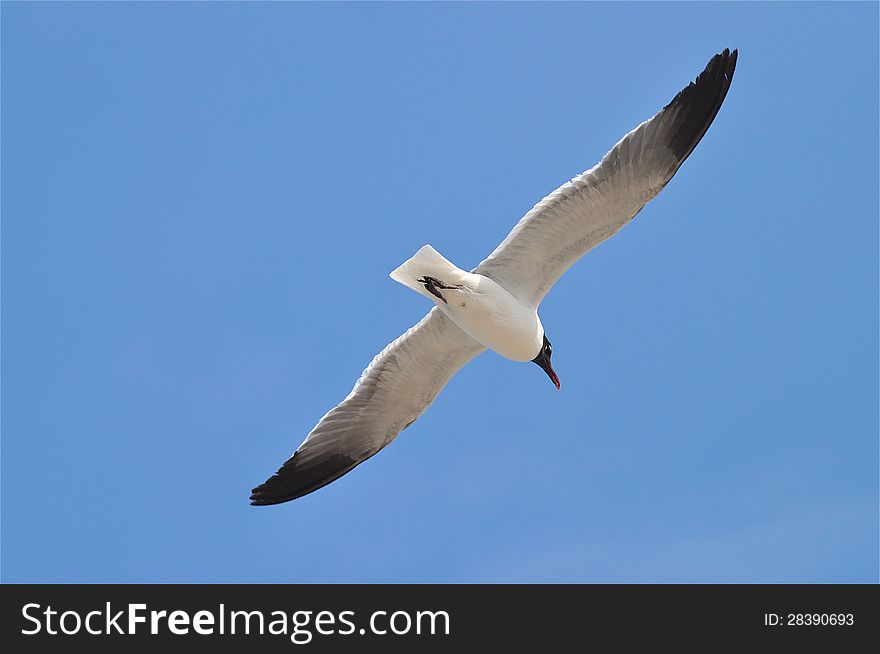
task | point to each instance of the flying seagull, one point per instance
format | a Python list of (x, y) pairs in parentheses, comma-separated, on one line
[(495, 306)]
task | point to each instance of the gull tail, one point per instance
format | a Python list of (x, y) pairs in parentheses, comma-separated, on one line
[(430, 266)]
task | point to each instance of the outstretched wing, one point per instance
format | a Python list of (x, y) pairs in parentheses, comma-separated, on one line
[(394, 390), (593, 206)]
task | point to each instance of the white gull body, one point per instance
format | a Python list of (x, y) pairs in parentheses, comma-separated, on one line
[(478, 305), (495, 305)]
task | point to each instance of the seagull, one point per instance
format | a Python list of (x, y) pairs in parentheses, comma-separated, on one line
[(495, 305)]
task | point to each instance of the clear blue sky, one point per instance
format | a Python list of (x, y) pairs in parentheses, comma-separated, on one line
[(201, 204)]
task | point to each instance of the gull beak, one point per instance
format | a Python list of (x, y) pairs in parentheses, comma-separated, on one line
[(544, 362), (553, 376)]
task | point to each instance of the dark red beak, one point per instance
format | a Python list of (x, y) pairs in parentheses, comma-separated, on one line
[(553, 376), (544, 362)]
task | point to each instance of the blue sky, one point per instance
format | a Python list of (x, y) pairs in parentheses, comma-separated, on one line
[(201, 204)]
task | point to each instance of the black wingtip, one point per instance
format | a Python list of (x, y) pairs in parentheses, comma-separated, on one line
[(300, 476), (260, 497), (695, 106)]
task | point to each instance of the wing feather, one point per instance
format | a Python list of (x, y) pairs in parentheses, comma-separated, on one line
[(593, 206), (394, 390)]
